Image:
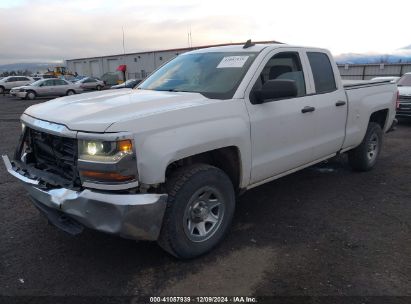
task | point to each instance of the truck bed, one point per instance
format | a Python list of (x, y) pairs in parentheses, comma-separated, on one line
[(353, 84)]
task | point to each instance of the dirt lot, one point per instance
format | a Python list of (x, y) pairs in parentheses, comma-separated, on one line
[(323, 231)]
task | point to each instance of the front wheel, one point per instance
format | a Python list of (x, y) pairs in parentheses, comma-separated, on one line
[(364, 157), (70, 92), (98, 88), (1, 90), (200, 208), (30, 95)]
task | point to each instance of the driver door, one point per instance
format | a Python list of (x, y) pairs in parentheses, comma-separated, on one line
[(282, 132), (46, 89)]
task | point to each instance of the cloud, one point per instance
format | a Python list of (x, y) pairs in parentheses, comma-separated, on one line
[(60, 29), (56, 30)]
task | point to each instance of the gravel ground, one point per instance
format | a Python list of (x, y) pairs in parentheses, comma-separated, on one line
[(324, 231)]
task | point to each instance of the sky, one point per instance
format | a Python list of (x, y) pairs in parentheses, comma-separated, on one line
[(54, 30)]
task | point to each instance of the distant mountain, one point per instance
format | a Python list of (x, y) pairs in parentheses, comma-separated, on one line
[(30, 66), (402, 55)]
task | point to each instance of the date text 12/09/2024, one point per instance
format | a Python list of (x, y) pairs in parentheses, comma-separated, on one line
[(202, 299)]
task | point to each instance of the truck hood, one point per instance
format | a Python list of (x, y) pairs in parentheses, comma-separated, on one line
[(404, 91), (95, 112)]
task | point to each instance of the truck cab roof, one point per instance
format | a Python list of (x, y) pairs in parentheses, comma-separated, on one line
[(254, 48)]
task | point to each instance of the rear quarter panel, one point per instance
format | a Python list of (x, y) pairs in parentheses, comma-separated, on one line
[(362, 102)]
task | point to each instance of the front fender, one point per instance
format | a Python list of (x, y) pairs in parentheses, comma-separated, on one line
[(160, 149)]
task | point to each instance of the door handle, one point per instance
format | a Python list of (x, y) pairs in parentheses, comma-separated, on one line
[(307, 109), (340, 103)]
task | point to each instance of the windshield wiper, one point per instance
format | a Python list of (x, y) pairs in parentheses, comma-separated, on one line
[(175, 90)]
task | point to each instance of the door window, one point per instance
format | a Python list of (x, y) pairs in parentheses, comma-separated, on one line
[(284, 66), (59, 82), (322, 72), (49, 83)]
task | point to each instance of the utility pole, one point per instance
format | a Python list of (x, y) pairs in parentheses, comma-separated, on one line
[(124, 54)]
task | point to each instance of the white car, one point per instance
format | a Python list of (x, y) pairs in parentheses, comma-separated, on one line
[(7, 83), (90, 83), (166, 161), (46, 88), (404, 91)]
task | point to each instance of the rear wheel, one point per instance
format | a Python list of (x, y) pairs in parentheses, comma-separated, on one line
[(200, 208), (70, 92), (31, 95), (364, 157)]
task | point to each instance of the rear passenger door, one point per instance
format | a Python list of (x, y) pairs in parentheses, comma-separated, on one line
[(24, 81), (331, 109), (46, 89), (60, 87)]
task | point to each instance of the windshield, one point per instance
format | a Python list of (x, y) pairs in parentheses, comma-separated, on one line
[(37, 83), (215, 75), (405, 81)]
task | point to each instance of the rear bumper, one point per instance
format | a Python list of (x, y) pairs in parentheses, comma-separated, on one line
[(132, 216)]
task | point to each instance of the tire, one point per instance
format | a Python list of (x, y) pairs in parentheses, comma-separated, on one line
[(200, 208), (31, 95), (70, 92), (98, 88), (2, 90), (364, 157)]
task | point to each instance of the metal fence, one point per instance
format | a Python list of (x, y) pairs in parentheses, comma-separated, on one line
[(368, 71)]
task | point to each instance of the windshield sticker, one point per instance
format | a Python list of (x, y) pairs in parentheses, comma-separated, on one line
[(232, 62)]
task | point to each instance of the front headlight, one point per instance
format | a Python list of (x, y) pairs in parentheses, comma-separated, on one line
[(104, 151), (111, 162)]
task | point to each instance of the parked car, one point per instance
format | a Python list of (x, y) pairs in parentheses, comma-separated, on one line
[(46, 87), (77, 78), (404, 92), (90, 83), (166, 161), (110, 78), (69, 78), (10, 82), (131, 83), (386, 78)]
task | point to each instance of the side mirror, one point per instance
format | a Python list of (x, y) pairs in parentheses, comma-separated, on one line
[(276, 89)]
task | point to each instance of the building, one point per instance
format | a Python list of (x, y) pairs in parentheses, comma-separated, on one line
[(368, 71), (137, 65)]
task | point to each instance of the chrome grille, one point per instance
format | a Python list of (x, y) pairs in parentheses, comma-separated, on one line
[(405, 98)]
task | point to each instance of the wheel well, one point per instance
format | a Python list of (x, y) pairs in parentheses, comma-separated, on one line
[(379, 117), (226, 159)]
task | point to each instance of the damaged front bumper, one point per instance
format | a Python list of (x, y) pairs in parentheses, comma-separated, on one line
[(133, 216)]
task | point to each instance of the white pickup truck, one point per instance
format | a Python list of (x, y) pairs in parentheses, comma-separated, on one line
[(166, 160)]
